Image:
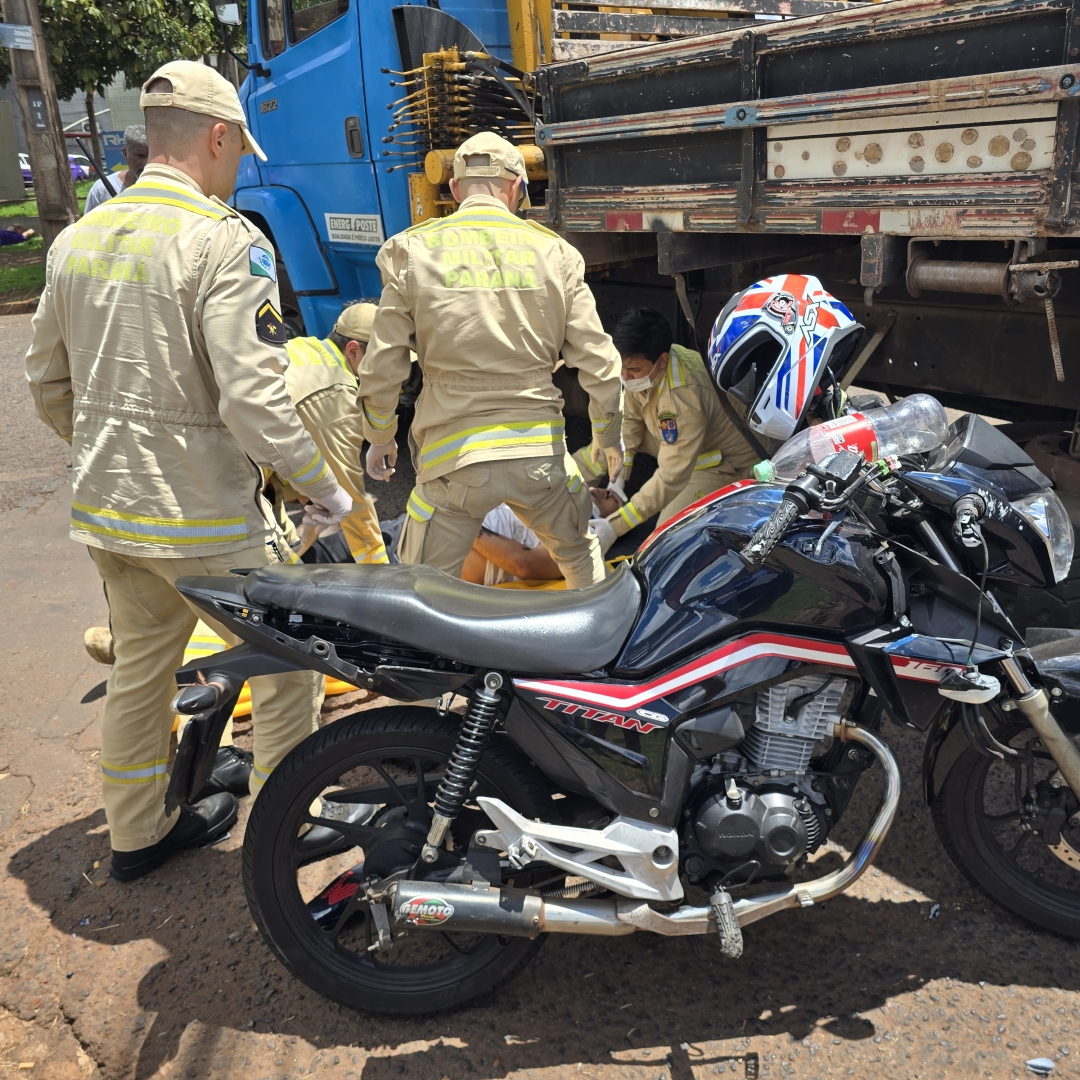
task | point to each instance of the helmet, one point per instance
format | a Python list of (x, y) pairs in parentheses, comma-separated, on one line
[(781, 347)]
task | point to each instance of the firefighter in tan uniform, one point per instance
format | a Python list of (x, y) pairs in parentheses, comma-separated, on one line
[(321, 377), (673, 413), (489, 302), (158, 353)]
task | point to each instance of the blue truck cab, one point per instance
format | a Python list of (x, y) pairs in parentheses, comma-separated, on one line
[(319, 104)]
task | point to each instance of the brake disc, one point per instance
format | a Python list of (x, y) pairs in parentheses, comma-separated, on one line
[(1066, 852)]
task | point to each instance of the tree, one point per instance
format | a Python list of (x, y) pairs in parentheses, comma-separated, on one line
[(93, 41)]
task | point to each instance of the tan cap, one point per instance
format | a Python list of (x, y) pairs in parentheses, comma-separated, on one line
[(200, 89), (355, 322), (491, 155)]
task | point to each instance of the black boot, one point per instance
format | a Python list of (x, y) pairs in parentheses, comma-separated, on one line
[(199, 824), (232, 769)]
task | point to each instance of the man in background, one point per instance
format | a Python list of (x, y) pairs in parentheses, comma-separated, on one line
[(135, 153)]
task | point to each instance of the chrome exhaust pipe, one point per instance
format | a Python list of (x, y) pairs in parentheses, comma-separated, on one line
[(481, 908)]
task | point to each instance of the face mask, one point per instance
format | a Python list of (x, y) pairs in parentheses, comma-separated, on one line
[(639, 386)]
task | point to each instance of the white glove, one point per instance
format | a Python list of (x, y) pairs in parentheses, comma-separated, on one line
[(616, 487), (376, 465), (328, 509), (603, 530)]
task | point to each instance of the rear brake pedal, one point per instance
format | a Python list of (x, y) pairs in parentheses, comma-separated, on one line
[(727, 926)]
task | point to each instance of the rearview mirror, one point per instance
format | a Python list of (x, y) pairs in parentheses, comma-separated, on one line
[(228, 14)]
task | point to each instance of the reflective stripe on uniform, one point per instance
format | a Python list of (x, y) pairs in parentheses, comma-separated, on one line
[(154, 530), (144, 773), (161, 194), (708, 460), (676, 375), (313, 472), (574, 483), (630, 515), (628, 459), (417, 509), (315, 351), (260, 774), (379, 421), (371, 555), (491, 437), (592, 466)]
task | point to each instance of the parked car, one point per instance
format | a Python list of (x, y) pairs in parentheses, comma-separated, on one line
[(79, 163)]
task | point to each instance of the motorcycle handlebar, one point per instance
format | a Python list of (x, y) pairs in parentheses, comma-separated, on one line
[(799, 496), (771, 533)]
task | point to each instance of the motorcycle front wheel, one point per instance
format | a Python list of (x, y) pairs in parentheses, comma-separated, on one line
[(351, 802), (979, 821)]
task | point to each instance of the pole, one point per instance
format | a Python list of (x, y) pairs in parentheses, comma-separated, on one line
[(53, 187)]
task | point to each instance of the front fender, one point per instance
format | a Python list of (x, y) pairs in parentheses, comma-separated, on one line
[(945, 742), (294, 235)]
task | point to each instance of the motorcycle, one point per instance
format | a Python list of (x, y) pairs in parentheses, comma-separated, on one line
[(666, 751)]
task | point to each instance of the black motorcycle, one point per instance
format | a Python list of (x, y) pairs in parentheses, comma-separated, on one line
[(664, 751)]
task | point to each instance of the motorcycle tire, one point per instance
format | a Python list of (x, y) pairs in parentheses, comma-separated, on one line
[(1037, 888), (360, 979)]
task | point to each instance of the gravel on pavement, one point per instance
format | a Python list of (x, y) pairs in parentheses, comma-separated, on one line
[(166, 978)]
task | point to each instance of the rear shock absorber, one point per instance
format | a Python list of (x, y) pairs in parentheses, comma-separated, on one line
[(457, 781)]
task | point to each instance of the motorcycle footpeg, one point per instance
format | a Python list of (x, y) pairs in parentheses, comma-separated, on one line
[(727, 925)]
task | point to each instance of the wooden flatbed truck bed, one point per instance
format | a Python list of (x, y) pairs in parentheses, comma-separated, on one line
[(919, 156)]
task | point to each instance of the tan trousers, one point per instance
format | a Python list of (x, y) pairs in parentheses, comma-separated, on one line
[(151, 623), (547, 493)]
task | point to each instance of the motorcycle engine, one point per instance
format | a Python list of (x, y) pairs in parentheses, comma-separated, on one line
[(770, 820), (772, 824)]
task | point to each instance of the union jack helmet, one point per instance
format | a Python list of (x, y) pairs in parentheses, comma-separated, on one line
[(781, 348)]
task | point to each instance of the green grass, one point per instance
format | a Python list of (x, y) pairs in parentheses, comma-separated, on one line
[(19, 278), (29, 207)]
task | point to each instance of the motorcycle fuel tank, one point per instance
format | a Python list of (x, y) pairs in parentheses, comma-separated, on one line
[(698, 590)]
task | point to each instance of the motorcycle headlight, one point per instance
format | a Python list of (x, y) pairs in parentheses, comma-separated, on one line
[(1047, 514)]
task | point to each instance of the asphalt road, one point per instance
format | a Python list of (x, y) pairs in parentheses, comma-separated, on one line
[(166, 977)]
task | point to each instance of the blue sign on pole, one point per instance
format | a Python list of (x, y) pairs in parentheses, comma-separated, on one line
[(112, 143), (16, 36)]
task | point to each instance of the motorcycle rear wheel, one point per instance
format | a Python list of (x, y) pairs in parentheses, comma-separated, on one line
[(391, 758), (978, 823)]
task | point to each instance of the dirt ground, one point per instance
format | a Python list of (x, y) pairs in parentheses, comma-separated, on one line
[(166, 978)]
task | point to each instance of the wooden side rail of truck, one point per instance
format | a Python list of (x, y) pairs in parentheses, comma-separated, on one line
[(919, 156)]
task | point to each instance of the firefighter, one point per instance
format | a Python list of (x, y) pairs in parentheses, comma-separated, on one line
[(321, 378), (489, 301), (157, 353), (672, 413)]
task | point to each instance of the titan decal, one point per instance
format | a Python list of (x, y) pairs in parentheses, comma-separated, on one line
[(601, 716)]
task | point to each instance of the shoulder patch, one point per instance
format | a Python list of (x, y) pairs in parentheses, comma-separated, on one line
[(262, 262), (269, 326), (669, 427)]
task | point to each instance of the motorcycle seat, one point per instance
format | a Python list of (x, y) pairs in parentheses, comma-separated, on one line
[(549, 632)]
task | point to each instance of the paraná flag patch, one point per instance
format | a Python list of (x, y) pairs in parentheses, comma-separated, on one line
[(262, 262)]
